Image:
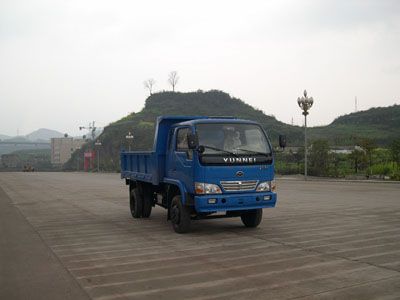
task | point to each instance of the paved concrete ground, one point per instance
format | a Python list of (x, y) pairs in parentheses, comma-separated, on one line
[(70, 236)]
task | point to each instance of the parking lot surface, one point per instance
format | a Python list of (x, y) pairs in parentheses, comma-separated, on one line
[(71, 236)]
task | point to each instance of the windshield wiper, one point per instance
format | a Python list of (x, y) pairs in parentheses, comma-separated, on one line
[(255, 152), (221, 150)]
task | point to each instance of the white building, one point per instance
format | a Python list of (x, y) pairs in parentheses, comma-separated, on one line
[(62, 149)]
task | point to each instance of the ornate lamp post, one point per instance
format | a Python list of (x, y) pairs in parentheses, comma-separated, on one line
[(98, 145), (129, 138), (305, 104)]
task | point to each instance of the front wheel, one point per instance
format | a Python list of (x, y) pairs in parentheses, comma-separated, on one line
[(180, 216), (252, 218)]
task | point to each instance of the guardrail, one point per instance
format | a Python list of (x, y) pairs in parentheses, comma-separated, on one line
[(24, 143)]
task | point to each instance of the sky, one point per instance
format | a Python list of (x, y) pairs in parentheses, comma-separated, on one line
[(65, 63)]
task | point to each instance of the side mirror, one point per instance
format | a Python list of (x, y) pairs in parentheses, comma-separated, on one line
[(282, 141), (193, 141), (201, 149)]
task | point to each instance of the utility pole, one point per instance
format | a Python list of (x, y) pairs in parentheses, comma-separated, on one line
[(305, 104), (77, 158), (92, 128), (98, 145)]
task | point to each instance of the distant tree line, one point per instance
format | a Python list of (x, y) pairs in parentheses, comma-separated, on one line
[(366, 159)]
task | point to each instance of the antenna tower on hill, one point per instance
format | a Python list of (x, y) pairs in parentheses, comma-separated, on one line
[(355, 105)]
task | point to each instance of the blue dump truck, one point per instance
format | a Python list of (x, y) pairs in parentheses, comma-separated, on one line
[(203, 167)]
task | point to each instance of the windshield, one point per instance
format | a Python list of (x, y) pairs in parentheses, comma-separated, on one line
[(234, 139)]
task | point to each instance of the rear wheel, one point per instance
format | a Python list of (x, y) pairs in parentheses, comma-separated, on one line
[(136, 203), (180, 216), (252, 218), (147, 202)]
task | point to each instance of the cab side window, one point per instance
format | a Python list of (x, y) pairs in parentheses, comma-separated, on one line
[(182, 143), (181, 140)]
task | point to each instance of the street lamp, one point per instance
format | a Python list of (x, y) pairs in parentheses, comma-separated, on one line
[(129, 138), (305, 104), (92, 128), (77, 158), (98, 144)]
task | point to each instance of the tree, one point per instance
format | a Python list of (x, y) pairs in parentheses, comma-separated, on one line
[(395, 152), (319, 157), (299, 158), (358, 158), (148, 84), (173, 79), (335, 158), (369, 146)]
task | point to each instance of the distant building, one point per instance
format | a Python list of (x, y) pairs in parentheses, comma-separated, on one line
[(62, 149), (10, 161), (345, 149), (340, 151)]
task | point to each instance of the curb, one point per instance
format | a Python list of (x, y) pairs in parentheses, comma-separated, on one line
[(323, 179)]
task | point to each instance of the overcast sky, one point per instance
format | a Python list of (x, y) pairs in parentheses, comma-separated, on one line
[(65, 63)]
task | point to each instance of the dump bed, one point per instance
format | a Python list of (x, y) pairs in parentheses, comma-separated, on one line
[(149, 166), (142, 166)]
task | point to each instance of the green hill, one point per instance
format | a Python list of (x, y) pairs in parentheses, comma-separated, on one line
[(343, 131), (381, 124)]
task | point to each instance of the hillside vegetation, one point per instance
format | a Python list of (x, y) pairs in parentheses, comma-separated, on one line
[(343, 131), (39, 159), (381, 124)]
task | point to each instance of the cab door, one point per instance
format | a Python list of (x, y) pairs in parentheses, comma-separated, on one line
[(180, 158)]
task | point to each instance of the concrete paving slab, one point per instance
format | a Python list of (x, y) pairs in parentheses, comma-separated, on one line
[(28, 268), (325, 239)]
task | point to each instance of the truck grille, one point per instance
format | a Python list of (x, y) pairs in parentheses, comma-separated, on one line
[(246, 185)]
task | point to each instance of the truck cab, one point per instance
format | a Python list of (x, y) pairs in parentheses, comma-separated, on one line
[(203, 167)]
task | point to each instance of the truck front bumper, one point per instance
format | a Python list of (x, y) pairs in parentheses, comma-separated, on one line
[(232, 202)]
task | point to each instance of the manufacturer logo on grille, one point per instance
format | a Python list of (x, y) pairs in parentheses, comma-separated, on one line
[(239, 173), (232, 160)]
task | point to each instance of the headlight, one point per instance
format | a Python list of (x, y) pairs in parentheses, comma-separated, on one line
[(263, 187), (266, 186), (206, 188)]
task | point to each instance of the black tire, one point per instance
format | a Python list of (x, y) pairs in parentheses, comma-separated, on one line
[(180, 216), (252, 218), (136, 203), (147, 202)]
